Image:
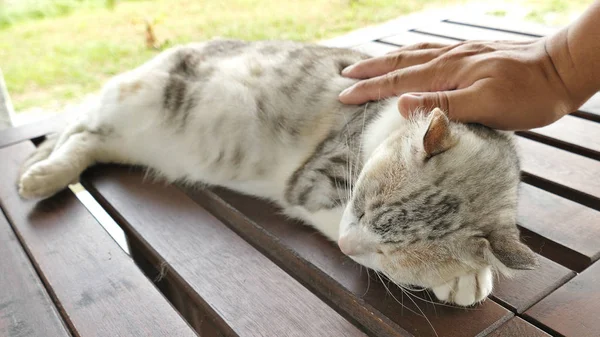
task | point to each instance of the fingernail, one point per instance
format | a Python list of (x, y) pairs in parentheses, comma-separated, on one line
[(345, 92), (407, 103), (347, 70)]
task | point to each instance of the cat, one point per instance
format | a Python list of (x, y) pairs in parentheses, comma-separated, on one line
[(425, 201)]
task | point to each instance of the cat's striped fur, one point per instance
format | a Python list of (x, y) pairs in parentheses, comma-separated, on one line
[(424, 201)]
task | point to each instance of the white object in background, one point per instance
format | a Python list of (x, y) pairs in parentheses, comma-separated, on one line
[(6, 108)]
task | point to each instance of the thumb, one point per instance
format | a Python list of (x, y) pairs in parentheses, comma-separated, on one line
[(410, 103), (459, 105)]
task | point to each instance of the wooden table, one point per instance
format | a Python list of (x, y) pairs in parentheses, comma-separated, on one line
[(212, 262)]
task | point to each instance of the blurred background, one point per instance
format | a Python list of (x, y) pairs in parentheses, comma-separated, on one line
[(54, 52)]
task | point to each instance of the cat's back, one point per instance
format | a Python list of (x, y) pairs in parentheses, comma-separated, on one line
[(287, 85)]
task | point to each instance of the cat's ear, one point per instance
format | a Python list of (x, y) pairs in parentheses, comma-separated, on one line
[(438, 137), (506, 248)]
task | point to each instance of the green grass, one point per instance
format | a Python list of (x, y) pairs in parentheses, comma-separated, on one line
[(56, 51), (556, 12)]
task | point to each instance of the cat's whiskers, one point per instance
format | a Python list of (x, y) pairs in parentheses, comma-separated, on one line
[(413, 301), (368, 281), (394, 297), (409, 291)]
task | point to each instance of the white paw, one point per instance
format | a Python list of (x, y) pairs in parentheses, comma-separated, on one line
[(466, 290), (43, 179)]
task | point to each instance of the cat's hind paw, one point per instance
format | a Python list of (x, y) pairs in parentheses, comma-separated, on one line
[(466, 290)]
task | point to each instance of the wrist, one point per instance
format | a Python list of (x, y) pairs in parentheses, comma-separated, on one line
[(572, 75)]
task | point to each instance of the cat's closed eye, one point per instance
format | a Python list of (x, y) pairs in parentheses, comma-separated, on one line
[(361, 216)]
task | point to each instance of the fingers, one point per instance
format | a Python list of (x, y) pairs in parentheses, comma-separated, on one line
[(384, 64), (422, 45), (469, 105), (391, 84)]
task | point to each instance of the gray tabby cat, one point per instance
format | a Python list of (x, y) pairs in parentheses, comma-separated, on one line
[(425, 201)]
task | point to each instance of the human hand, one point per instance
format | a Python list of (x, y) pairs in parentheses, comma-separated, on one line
[(504, 85)]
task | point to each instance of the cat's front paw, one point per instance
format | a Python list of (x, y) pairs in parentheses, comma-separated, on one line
[(42, 180), (466, 290)]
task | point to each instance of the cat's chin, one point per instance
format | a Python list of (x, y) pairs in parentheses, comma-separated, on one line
[(368, 260)]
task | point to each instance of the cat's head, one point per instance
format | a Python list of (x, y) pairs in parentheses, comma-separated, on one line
[(437, 201)]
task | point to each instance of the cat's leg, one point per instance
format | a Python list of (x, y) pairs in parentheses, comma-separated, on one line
[(468, 289), (80, 148)]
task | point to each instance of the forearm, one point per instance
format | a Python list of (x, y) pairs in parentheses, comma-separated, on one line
[(575, 53)]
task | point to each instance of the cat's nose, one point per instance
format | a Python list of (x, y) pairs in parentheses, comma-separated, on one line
[(345, 245)]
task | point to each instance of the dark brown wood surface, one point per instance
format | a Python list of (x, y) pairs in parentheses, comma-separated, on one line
[(566, 232), (245, 292), (525, 288), (571, 133), (25, 307), (97, 287), (319, 264), (562, 172), (517, 327), (573, 309)]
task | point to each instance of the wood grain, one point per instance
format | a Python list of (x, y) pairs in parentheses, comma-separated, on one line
[(570, 133), (591, 109), (244, 292), (561, 172), (322, 267), (567, 232), (25, 307), (96, 285), (527, 287), (573, 309), (517, 327)]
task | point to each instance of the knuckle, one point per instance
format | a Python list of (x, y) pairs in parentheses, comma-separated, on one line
[(423, 45), (395, 60), (443, 102), (392, 79)]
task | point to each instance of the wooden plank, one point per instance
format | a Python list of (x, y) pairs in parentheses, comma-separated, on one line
[(503, 24), (245, 292), (591, 109), (528, 287), (30, 131), (561, 172), (375, 48), (320, 264), (25, 307), (517, 327), (574, 308), (462, 32), (572, 134), (569, 230), (408, 38), (403, 23), (97, 286)]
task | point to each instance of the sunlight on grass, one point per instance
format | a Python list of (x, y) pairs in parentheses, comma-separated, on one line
[(54, 52)]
